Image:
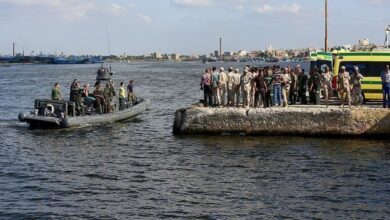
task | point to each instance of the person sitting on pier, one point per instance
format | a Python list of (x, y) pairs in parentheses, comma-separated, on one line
[(56, 92)]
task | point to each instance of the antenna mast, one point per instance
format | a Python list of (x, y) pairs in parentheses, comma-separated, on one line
[(326, 25), (387, 30), (108, 41)]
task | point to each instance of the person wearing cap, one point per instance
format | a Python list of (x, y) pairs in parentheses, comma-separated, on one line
[(385, 77), (223, 86), (236, 81), (205, 85), (356, 82), (215, 87), (343, 86), (246, 88), (326, 82), (230, 93)]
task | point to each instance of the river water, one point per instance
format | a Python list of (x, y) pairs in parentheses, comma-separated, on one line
[(138, 169)]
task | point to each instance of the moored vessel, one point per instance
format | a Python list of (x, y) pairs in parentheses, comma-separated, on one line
[(64, 114)]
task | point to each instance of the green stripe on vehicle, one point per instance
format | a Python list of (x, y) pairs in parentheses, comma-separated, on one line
[(372, 82)]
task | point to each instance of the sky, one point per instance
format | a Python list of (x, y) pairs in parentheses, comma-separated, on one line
[(138, 27)]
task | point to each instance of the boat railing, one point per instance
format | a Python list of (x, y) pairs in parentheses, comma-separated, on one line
[(54, 108)]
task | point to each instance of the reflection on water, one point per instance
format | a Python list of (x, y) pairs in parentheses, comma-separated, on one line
[(138, 169)]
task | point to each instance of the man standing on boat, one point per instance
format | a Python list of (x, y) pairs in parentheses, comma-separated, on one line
[(385, 76), (56, 92), (122, 97), (73, 91), (78, 98), (344, 86), (98, 93), (130, 92)]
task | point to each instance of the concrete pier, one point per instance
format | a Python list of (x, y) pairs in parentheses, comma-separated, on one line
[(297, 120)]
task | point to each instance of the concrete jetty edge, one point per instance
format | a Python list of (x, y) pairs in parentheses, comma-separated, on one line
[(297, 120)]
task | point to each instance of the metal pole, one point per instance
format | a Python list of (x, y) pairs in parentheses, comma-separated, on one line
[(326, 25), (220, 48), (108, 41)]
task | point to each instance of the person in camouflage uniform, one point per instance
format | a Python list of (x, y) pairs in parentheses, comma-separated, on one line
[(357, 97), (344, 86), (326, 81)]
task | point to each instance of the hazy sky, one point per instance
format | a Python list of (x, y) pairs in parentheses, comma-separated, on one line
[(184, 26)]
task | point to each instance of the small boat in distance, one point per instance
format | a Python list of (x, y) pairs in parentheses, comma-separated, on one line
[(62, 114)]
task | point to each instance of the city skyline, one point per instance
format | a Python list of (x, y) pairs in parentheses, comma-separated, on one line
[(184, 26)]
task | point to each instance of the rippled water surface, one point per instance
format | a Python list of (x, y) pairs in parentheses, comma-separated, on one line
[(138, 169)]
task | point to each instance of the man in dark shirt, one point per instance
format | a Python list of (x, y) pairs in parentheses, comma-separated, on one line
[(261, 89), (73, 91), (130, 92), (302, 87)]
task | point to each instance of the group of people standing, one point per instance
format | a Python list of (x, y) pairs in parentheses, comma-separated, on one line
[(275, 86), (100, 99)]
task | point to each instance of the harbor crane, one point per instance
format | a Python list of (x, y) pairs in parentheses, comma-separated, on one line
[(387, 30)]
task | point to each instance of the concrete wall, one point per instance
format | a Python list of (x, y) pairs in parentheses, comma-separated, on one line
[(307, 120)]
